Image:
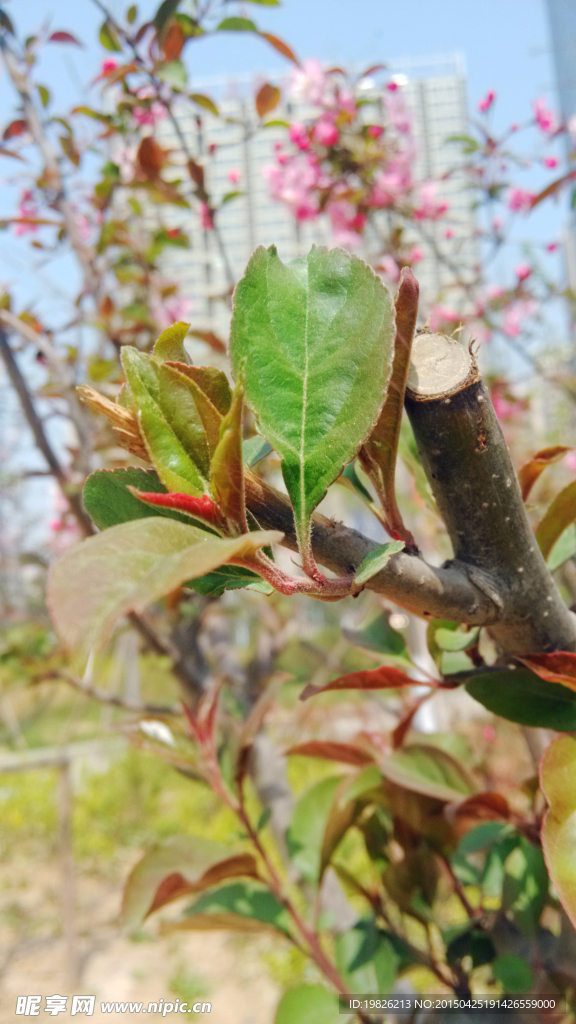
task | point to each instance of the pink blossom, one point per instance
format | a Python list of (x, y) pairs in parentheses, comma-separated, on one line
[(146, 92), (389, 267), (125, 159), (397, 113), (503, 408), (27, 209), (494, 291), (449, 233), (487, 101), (441, 315), (345, 101), (514, 127), (496, 223), (310, 83), (326, 133), (552, 246), (108, 66), (519, 199), (234, 175), (429, 207), (206, 217), (294, 183), (392, 86), (347, 222), (171, 310), (299, 136), (550, 161), (415, 254), (570, 461), (545, 119), (149, 115), (523, 271), (489, 733), (375, 131), (515, 314), (392, 184)]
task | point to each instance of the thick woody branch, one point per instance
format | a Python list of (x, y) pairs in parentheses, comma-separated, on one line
[(468, 466)]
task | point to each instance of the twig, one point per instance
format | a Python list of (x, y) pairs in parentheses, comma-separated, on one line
[(104, 697)]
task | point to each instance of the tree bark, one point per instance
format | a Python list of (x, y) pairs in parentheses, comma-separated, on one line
[(469, 468)]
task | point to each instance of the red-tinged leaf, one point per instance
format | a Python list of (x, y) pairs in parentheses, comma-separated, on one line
[(560, 514), (558, 783), (64, 37), (184, 864), (378, 454), (280, 46), (267, 98), (331, 751), (203, 721), (384, 678), (374, 69), (486, 806), (531, 470), (551, 189), (401, 731), (173, 41), (227, 466), (8, 152), (558, 667), (210, 339), (15, 128), (196, 172), (202, 508), (150, 157), (213, 382)]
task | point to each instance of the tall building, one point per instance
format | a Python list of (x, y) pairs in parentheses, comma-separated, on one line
[(562, 20), (435, 94)]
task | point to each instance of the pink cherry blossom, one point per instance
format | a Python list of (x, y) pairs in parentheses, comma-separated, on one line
[(375, 131), (441, 315), (310, 83), (234, 175), (389, 268), (392, 86), (27, 209), (503, 408), (299, 136), (487, 101), (396, 112), (570, 462), (206, 217), (294, 184), (347, 223), (168, 311), (149, 115), (552, 246), (519, 199), (108, 66), (125, 159), (429, 207), (494, 291), (545, 119), (449, 233), (523, 271), (326, 133), (415, 254), (550, 161), (515, 314)]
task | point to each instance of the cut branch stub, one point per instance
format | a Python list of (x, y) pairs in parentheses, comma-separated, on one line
[(468, 466)]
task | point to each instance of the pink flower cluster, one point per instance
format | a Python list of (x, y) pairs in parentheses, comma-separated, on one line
[(27, 210)]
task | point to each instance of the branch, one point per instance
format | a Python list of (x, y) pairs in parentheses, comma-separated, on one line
[(470, 471), (104, 697)]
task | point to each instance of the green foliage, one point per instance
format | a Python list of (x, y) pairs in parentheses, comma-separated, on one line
[(558, 779), (376, 560), (239, 906), (513, 973), (521, 696), (314, 339), (307, 1004), (366, 958), (305, 834)]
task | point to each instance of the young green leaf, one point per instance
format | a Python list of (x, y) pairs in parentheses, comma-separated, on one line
[(558, 782), (377, 635), (129, 566), (428, 770), (157, 397), (305, 833), (375, 561), (525, 885), (227, 467), (366, 958), (240, 906), (108, 500), (522, 696), (560, 514), (254, 450), (307, 1004), (170, 344), (513, 973), (316, 338), (379, 452)]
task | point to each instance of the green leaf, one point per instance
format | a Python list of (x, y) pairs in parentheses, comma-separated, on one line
[(315, 337), (109, 37), (236, 25), (521, 696), (174, 73), (560, 514), (169, 423), (129, 566), (377, 635), (513, 973), (470, 942), (525, 885), (454, 639), (108, 501), (376, 560), (131, 14), (214, 384), (177, 867), (229, 577), (170, 344), (254, 450), (44, 95), (227, 466), (486, 834), (428, 770), (307, 1004), (366, 958), (243, 904), (204, 101), (305, 834), (165, 11), (564, 548), (558, 781)]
